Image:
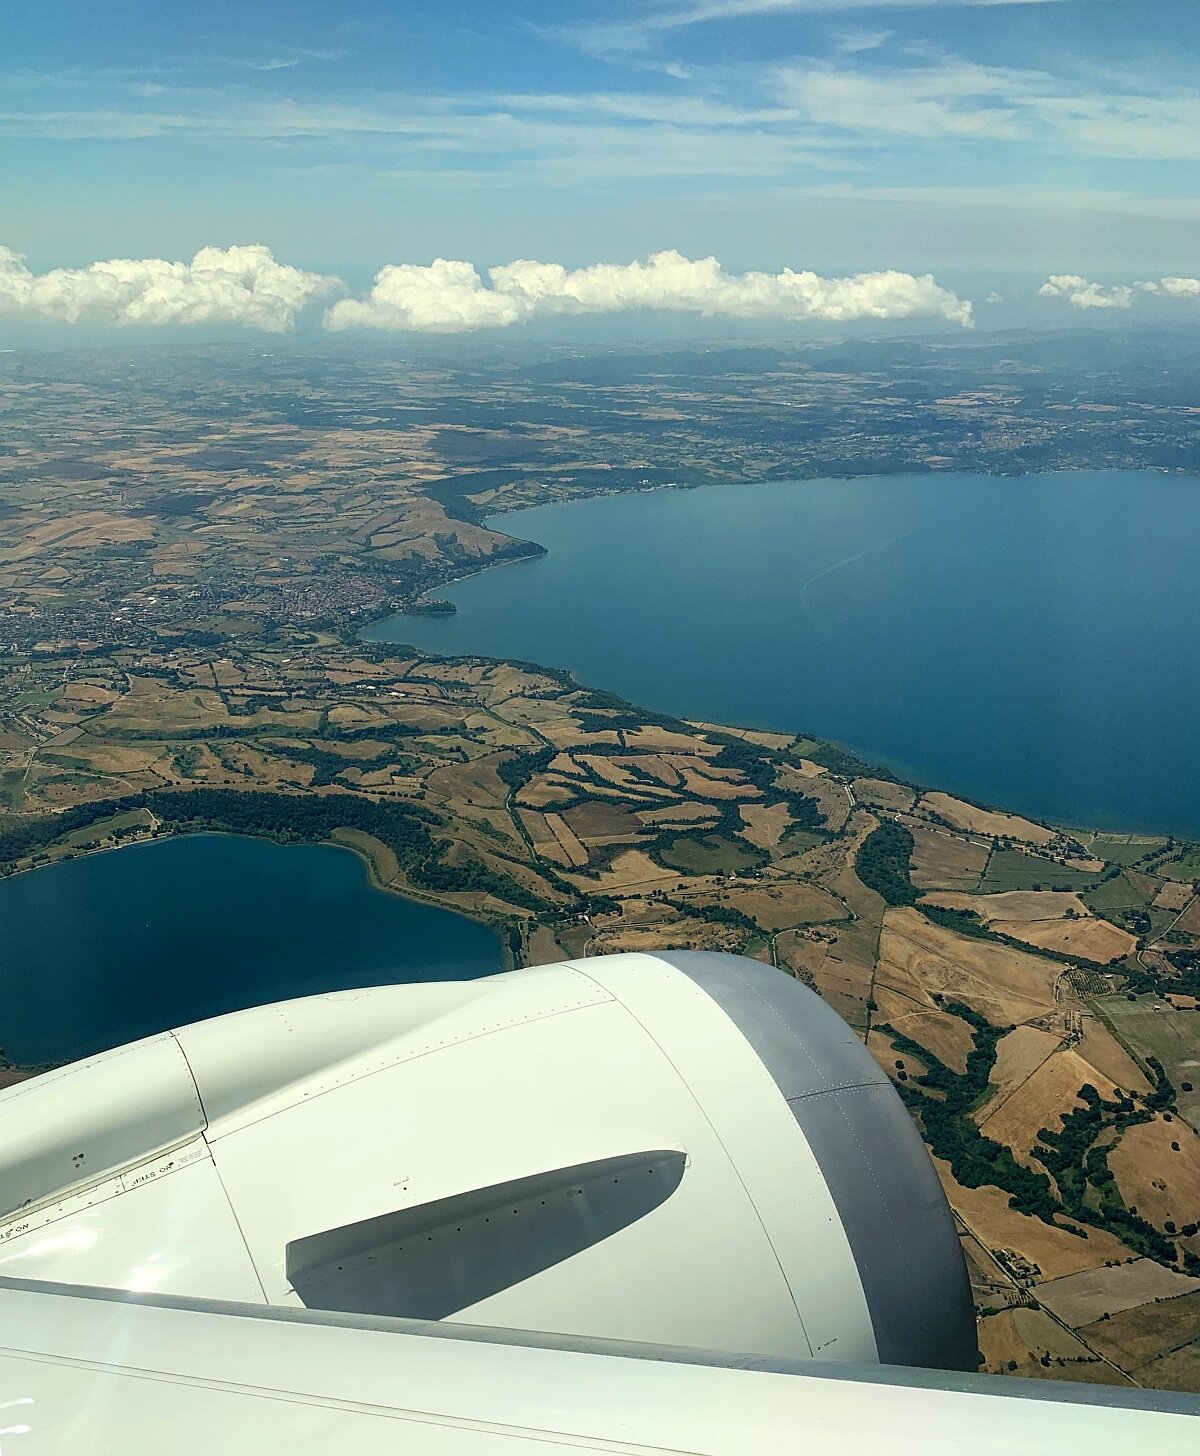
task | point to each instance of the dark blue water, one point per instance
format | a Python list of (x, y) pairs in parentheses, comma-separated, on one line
[(1028, 642), (104, 949)]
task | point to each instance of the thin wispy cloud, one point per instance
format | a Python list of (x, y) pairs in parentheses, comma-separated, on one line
[(770, 120), (952, 97), (645, 28), (854, 42), (277, 62)]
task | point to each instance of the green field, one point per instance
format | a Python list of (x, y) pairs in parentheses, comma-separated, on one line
[(710, 855), (1187, 867), (1150, 1028), (11, 788), (1128, 891), (1122, 849), (1009, 869)]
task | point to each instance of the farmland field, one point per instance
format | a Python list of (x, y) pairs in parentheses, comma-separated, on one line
[(1011, 869), (1081, 1298), (1140, 1335), (1051, 1090), (1151, 1028), (940, 860)]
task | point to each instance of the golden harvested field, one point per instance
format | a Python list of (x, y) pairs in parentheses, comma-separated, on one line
[(1005, 984), (596, 822), (1134, 1337), (1018, 1056), (711, 788), (78, 532), (1094, 940), (1081, 1298), (634, 872), (1052, 1089), (612, 771), (1055, 1252), (682, 935), (832, 798), (546, 790), (1189, 921), (686, 815), (892, 1061), (663, 740), (508, 682), (947, 1037), (885, 794), (467, 783), (545, 841), (940, 860), (1023, 1336), (778, 903), (748, 735), (662, 769), (561, 731), (572, 849), (108, 756), (764, 826), (541, 948), (986, 821), (1011, 905), (1174, 895), (1162, 1183), (843, 984), (87, 695), (1179, 1370), (1110, 1058)]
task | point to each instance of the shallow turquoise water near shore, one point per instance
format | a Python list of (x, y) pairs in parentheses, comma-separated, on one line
[(1030, 642), (103, 949)]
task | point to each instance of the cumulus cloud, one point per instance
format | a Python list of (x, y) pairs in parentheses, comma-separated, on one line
[(1180, 287), (239, 285), (1083, 293), (451, 297)]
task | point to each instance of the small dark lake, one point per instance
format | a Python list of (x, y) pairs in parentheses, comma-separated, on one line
[(103, 949), (1029, 642)]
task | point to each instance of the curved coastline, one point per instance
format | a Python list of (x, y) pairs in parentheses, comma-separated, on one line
[(1079, 805), (277, 926)]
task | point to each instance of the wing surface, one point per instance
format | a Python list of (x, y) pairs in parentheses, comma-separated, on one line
[(90, 1371)]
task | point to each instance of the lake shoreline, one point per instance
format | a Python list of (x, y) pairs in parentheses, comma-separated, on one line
[(1157, 815), (285, 920), (374, 874)]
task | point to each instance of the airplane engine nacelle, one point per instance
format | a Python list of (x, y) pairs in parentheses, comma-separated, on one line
[(680, 1148)]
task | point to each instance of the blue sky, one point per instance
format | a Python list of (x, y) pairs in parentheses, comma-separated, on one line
[(989, 139)]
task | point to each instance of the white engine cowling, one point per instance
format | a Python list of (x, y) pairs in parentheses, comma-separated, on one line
[(687, 1149)]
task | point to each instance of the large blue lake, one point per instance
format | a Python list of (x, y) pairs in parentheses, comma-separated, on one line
[(100, 950), (1031, 642)]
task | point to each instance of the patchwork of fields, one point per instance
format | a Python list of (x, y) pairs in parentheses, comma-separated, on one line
[(182, 607)]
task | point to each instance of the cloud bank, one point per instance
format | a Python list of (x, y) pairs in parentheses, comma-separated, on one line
[(246, 285), (451, 297), (238, 285), (1083, 293)]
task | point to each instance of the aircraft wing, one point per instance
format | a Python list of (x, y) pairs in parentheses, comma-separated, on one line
[(88, 1371)]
